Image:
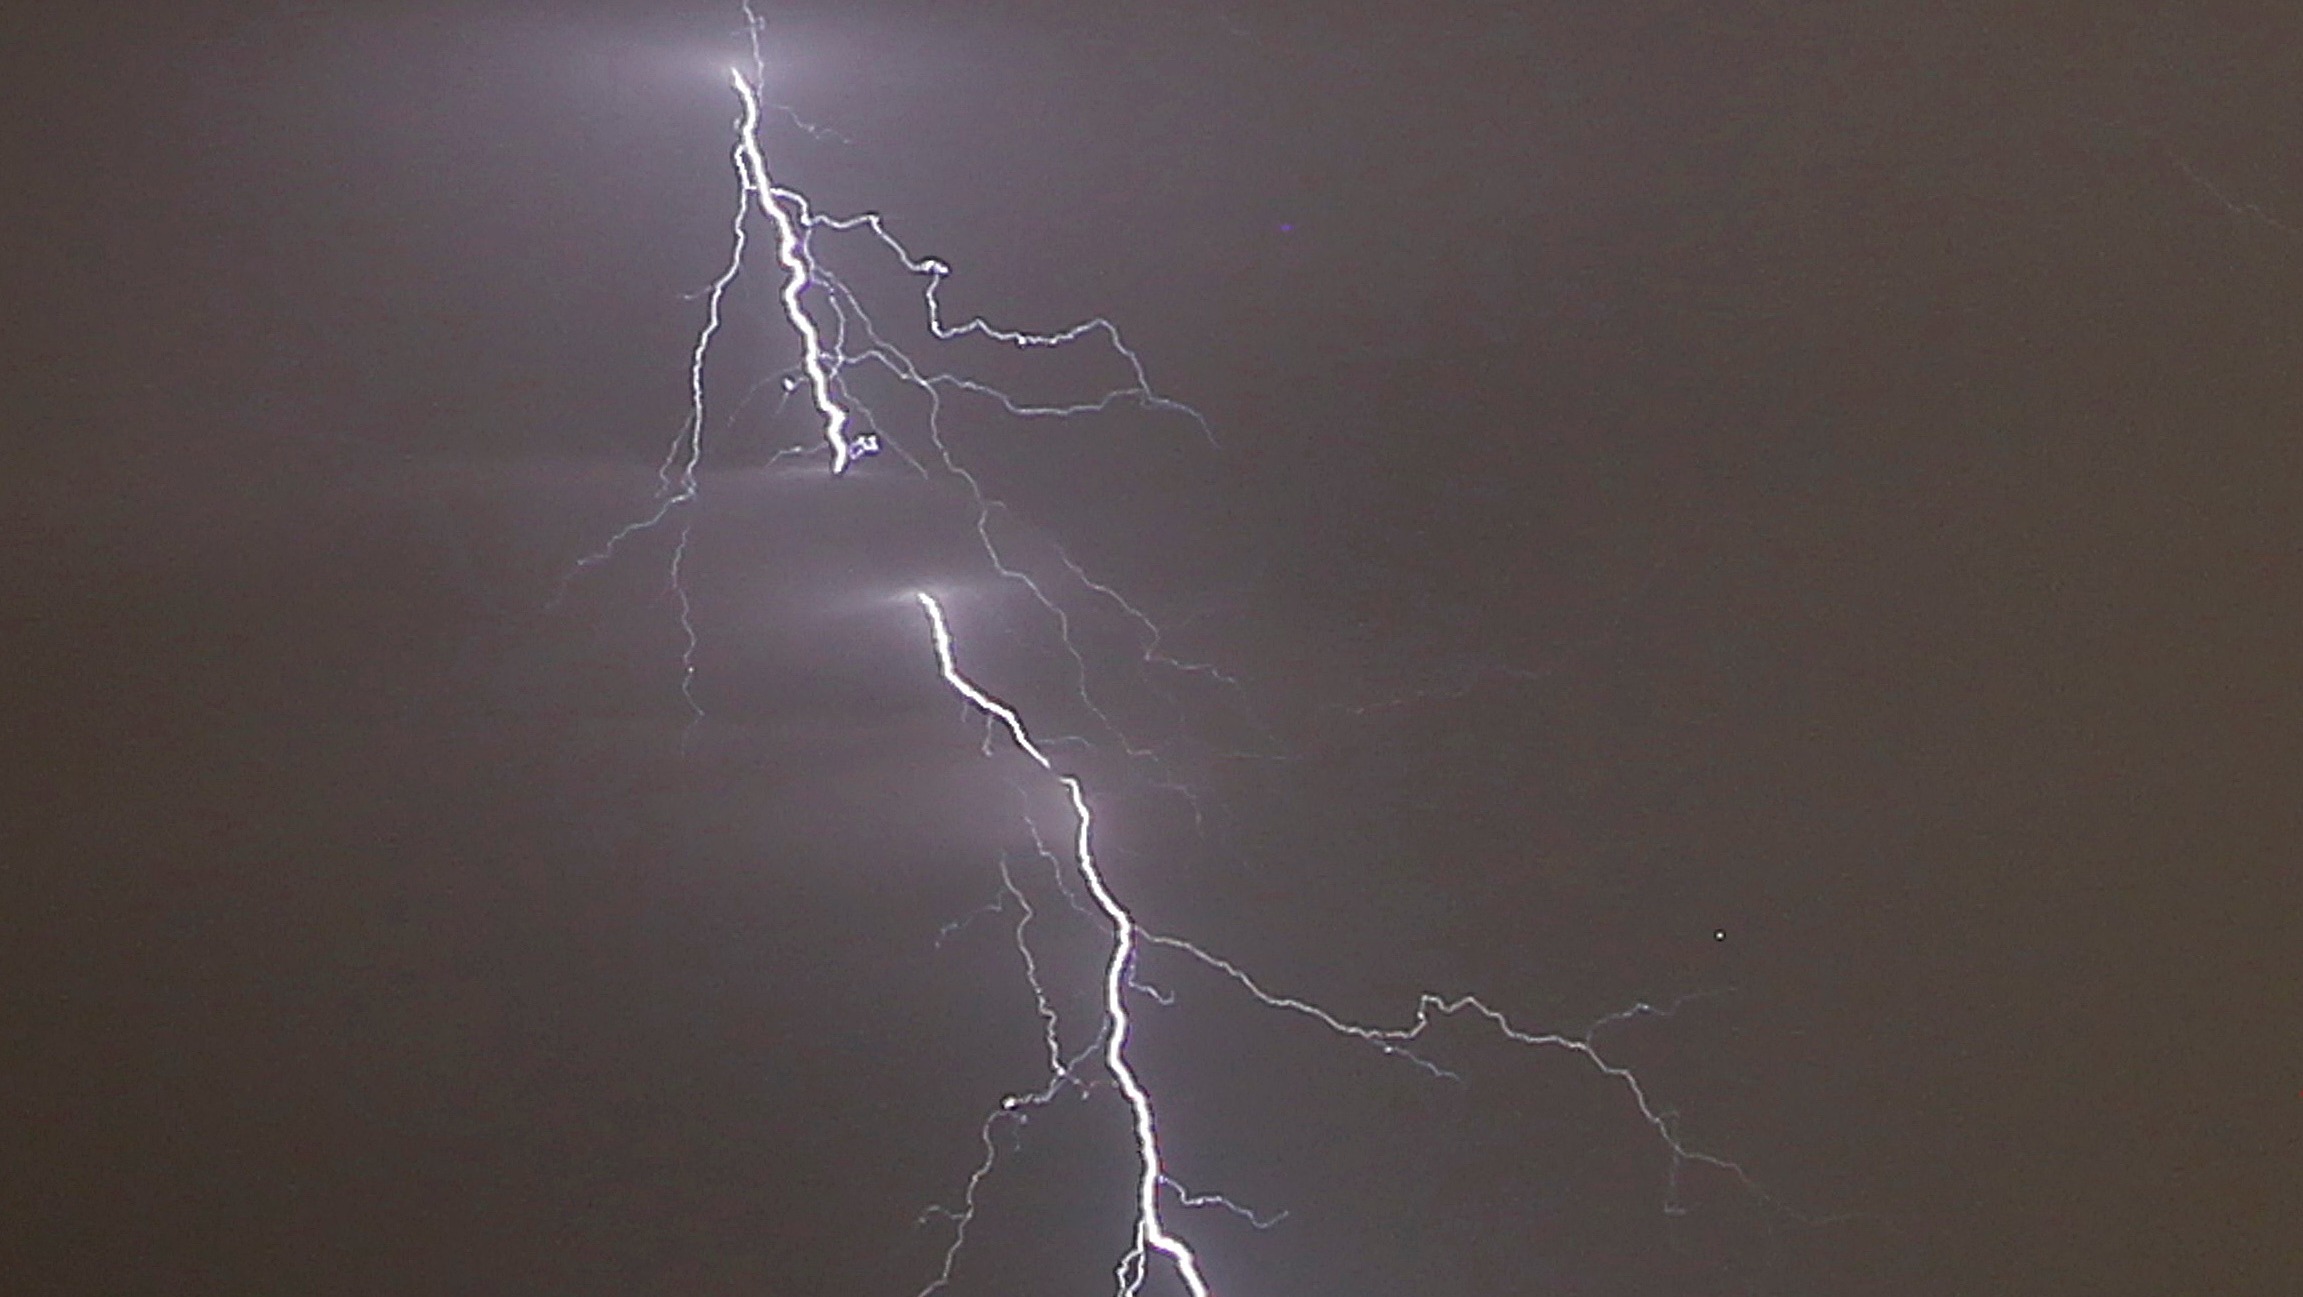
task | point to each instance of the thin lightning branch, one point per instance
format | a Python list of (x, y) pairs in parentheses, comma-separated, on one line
[(1190, 1199), (1149, 638), (1151, 633), (964, 1215), (935, 272), (1162, 998), (1014, 1110), (755, 27), (2223, 198), (1047, 1010), (1429, 1008), (1390, 1042), (997, 905), (1056, 866), (2249, 211), (676, 481), (678, 585), (1562, 656)]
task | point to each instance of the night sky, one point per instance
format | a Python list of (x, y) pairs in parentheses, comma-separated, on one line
[(1782, 508)]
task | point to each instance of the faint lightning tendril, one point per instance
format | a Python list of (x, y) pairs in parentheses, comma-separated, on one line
[(1396, 1041)]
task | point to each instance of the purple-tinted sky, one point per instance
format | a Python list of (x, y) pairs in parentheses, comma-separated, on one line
[(1785, 503)]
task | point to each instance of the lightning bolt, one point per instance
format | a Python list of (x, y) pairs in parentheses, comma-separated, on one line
[(835, 334), (1151, 1232)]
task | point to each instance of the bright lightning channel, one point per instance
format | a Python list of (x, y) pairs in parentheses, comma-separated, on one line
[(1150, 1231), (752, 166)]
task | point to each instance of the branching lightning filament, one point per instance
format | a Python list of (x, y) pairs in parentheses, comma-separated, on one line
[(834, 334)]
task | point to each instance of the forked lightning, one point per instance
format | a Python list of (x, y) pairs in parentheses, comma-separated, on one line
[(850, 434)]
